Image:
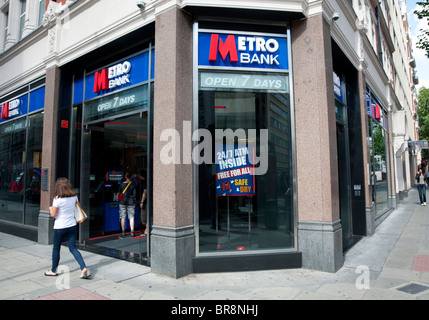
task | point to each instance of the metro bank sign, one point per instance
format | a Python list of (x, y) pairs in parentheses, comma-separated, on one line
[(110, 78), (131, 71), (10, 109), (242, 51)]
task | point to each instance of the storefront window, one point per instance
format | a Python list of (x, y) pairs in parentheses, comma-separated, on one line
[(12, 153), (245, 185), (379, 168), (33, 168), (378, 141), (261, 218), (21, 127)]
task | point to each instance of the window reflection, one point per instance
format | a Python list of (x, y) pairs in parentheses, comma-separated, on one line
[(12, 153), (33, 169), (379, 168), (263, 219)]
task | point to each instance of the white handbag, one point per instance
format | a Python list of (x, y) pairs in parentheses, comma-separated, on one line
[(79, 214)]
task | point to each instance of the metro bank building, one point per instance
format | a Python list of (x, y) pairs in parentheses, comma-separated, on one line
[(227, 114)]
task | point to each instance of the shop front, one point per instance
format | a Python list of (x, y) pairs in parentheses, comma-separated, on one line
[(20, 157), (246, 189), (106, 120), (279, 165)]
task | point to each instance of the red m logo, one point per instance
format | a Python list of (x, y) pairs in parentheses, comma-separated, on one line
[(226, 47), (5, 111), (101, 81), (226, 186)]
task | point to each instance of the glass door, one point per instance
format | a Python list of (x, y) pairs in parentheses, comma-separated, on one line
[(344, 185), (379, 166), (344, 175), (113, 149)]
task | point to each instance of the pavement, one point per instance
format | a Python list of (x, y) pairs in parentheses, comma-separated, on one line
[(393, 264)]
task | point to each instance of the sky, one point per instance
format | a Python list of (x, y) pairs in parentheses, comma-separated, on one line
[(422, 61)]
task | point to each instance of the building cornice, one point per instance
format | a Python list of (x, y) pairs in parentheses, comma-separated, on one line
[(35, 72), (299, 6)]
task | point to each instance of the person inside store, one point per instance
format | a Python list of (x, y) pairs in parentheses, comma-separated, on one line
[(127, 202), (421, 186), (65, 226)]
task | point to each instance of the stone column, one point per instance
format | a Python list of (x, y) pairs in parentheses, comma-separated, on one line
[(50, 124), (172, 236), (319, 225)]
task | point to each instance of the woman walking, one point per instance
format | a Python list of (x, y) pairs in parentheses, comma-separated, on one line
[(421, 186), (65, 225)]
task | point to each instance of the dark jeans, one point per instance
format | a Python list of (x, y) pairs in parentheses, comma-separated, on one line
[(69, 234), (422, 192)]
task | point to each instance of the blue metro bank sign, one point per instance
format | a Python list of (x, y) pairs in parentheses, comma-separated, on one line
[(242, 51)]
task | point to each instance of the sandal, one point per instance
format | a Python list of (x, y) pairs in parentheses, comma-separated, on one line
[(49, 273), (84, 274)]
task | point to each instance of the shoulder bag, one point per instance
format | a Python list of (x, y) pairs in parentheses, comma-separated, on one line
[(121, 195), (79, 214)]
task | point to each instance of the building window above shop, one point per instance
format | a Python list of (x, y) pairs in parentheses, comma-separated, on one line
[(4, 26), (42, 9), (22, 18)]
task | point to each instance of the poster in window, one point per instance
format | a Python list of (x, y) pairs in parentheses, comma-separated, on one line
[(234, 170)]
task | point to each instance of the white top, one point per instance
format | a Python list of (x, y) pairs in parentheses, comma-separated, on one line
[(65, 216)]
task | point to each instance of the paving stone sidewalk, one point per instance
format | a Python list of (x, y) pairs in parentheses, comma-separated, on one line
[(391, 264)]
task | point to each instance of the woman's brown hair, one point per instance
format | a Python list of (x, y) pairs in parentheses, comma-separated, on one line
[(63, 188)]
